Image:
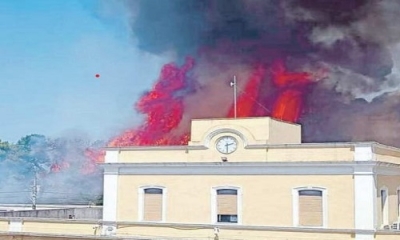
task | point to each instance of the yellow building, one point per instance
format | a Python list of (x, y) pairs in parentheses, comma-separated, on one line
[(252, 178)]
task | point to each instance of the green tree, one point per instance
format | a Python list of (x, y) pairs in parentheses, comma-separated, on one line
[(32, 151)]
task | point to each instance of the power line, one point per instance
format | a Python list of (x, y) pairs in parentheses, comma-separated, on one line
[(255, 100)]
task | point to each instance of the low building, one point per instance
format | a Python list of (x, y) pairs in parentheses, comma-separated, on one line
[(252, 178)]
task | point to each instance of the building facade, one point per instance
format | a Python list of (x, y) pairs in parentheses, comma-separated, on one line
[(252, 178)]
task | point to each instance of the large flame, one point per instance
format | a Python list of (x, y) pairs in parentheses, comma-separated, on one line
[(163, 105)]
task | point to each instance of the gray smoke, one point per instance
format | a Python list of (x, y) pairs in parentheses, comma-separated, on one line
[(356, 42)]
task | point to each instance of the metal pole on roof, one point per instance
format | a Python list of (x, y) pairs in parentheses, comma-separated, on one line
[(234, 85)]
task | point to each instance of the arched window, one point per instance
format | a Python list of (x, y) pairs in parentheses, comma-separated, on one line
[(152, 204), (309, 207)]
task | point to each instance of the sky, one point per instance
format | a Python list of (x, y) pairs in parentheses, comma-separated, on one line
[(50, 53)]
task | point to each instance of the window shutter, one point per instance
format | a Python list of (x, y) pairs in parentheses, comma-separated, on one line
[(310, 208), (227, 202), (152, 205)]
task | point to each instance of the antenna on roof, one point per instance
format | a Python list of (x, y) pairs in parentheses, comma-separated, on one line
[(233, 84)]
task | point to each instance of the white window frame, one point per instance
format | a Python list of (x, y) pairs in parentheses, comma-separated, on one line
[(141, 202), (295, 205), (214, 218), (384, 210)]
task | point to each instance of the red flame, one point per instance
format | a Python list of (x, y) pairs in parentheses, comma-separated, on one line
[(90, 165), (163, 105), (289, 102), (94, 157)]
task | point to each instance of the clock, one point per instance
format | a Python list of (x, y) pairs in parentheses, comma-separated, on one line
[(226, 144)]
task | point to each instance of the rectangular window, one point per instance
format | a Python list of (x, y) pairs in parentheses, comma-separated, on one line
[(227, 206), (384, 207), (310, 208), (153, 204)]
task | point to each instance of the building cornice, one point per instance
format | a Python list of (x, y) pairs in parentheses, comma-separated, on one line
[(241, 168), (389, 169), (255, 146), (156, 148)]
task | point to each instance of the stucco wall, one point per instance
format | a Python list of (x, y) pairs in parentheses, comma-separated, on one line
[(310, 154), (267, 200), (387, 235), (284, 133)]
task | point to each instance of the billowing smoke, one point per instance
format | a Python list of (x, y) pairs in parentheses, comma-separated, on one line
[(44, 170), (330, 65)]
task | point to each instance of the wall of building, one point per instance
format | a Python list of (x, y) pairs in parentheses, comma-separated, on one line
[(284, 133), (392, 183), (68, 230), (75, 213), (199, 232), (255, 130), (386, 235), (266, 200), (310, 153), (71, 227)]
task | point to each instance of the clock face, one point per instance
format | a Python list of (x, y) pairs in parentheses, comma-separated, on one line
[(226, 144)]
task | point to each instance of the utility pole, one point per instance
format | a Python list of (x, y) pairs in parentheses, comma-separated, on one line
[(34, 190), (234, 85)]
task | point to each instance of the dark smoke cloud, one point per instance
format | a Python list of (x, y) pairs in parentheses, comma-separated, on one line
[(356, 41)]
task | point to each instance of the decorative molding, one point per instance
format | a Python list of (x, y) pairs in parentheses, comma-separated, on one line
[(248, 168), (254, 146), (218, 131), (111, 169), (364, 169), (155, 148), (390, 170)]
